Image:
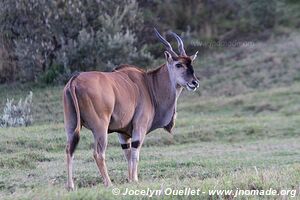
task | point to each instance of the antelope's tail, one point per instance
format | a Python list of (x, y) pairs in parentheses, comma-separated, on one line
[(75, 139)]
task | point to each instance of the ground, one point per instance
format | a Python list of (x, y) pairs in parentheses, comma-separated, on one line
[(235, 132)]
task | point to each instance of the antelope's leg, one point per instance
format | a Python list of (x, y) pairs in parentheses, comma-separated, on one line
[(99, 154), (70, 184), (73, 140), (72, 137), (137, 141), (125, 144)]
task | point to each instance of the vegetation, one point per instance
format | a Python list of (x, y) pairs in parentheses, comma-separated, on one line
[(45, 41), (17, 114), (250, 67), (50, 39)]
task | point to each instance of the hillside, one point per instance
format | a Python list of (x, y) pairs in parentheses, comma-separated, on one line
[(256, 66)]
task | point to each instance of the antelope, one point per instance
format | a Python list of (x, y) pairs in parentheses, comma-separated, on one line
[(129, 101)]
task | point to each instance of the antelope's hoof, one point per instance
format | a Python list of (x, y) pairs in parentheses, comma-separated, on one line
[(108, 184), (70, 188), (135, 179)]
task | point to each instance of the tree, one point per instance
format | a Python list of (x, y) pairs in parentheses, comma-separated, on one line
[(50, 38)]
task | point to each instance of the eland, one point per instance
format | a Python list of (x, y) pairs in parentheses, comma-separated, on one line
[(129, 101)]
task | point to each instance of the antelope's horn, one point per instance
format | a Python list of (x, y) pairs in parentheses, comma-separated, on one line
[(180, 44), (165, 43)]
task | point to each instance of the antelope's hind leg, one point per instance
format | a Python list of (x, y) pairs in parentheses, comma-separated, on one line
[(70, 156), (100, 135), (72, 138)]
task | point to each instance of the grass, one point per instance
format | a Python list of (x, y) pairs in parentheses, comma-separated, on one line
[(247, 141)]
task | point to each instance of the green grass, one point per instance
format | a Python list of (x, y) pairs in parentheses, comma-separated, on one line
[(247, 141)]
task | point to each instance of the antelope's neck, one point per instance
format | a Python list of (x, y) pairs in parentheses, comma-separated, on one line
[(164, 94)]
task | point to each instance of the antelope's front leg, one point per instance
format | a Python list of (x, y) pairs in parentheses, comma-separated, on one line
[(137, 141), (125, 144)]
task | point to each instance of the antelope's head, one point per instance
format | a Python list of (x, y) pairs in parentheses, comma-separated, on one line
[(180, 66)]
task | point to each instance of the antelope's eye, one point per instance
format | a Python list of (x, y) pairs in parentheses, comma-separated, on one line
[(179, 65)]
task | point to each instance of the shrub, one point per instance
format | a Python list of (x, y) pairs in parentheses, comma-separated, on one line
[(17, 114), (53, 38), (212, 19), (55, 74)]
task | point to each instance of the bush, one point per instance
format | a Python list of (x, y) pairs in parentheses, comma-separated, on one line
[(17, 114), (212, 19), (53, 38), (55, 74), (48, 40)]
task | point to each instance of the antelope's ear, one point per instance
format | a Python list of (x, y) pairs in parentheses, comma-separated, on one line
[(193, 57), (169, 58)]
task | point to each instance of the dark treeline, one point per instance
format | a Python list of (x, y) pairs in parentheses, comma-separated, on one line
[(46, 41)]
